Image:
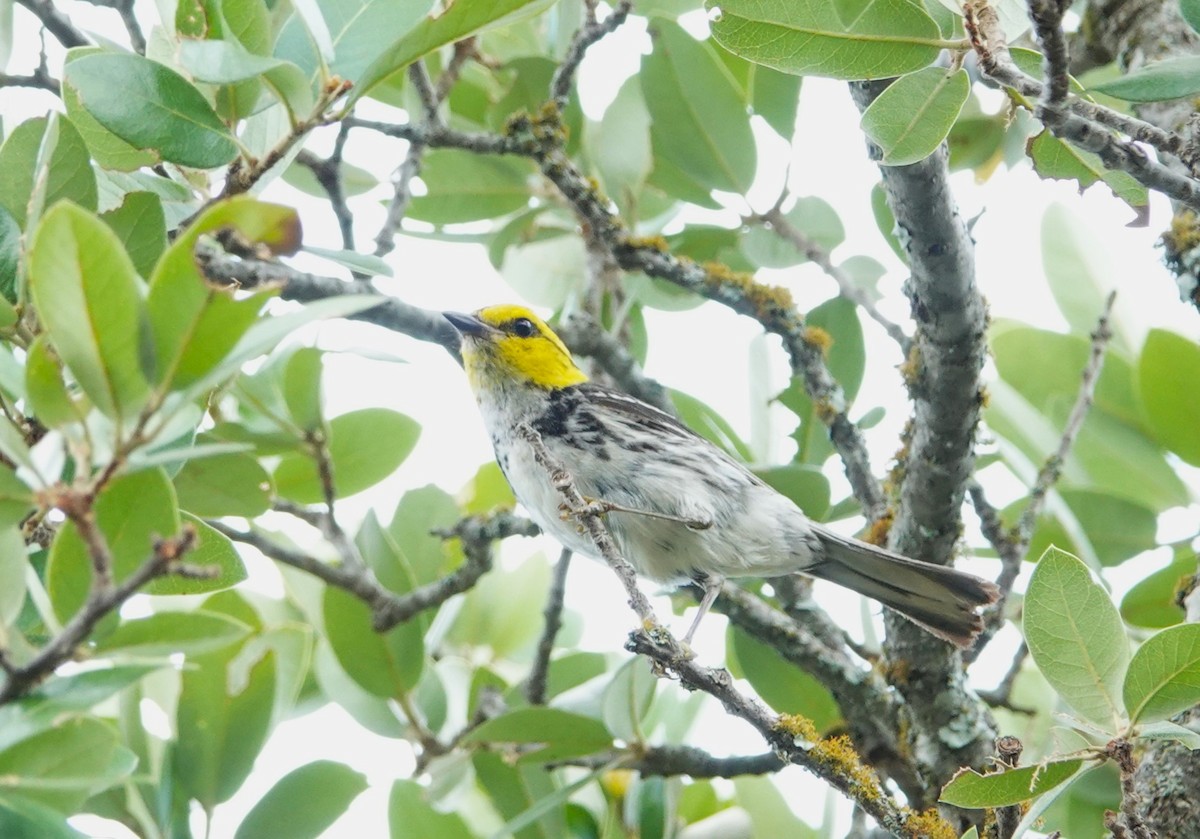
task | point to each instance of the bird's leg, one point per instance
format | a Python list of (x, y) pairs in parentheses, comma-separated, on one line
[(712, 587), (598, 506)]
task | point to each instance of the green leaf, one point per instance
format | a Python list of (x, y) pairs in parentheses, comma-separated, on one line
[(228, 725), (195, 324), (385, 664), (1151, 602), (770, 813), (911, 118), (1076, 638), (973, 791), (109, 150), (548, 272), (65, 765), (16, 499), (266, 334), (213, 550), (65, 167), (131, 512), (355, 180), (304, 802), (363, 263), (496, 613), (1081, 274), (223, 62), (142, 228), (411, 816), (560, 733), (13, 564), (1044, 368), (1110, 528), (698, 118), (464, 186), (224, 485), (164, 633), (710, 425), (10, 260), (302, 387), (813, 217), (782, 685), (1190, 9), (627, 699), (150, 106), (1054, 158), (365, 446), (21, 818), (803, 483), (809, 38), (1157, 82), (45, 391), (90, 302), (1164, 674), (452, 24), (775, 97), (619, 145), (1171, 410), (420, 512)]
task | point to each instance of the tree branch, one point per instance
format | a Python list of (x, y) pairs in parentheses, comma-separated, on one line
[(56, 23), (589, 33), (1013, 546), (104, 598), (988, 41), (778, 223), (389, 609), (943, 377), (535, 684), (124, 8), (671, 761)]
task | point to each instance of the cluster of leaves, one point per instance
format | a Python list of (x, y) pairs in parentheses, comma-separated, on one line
[(123, 371), (1081, 646)]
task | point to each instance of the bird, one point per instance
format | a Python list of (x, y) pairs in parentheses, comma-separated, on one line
[(678, 507)]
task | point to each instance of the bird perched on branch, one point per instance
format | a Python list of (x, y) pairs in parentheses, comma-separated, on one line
[(678, 507)]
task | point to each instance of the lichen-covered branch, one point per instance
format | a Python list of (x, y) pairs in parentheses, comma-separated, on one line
[(387, 608), (949, 726), (988, 41)]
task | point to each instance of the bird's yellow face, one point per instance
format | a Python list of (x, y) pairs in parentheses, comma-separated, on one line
[(511, 345)]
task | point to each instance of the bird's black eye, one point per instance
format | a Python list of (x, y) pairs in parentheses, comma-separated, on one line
[(523, 328)]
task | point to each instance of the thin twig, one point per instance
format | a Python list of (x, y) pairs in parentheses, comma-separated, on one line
[(389, 609), (1052, 468), (124, 8), (328, 172), (589, 33), (40, 78), (1013, 545), (56, 23), (431, 95), (1047, 18), (1008, 755), (318, 443), (1001, 695), (166, 558), (1088, 132), (1131, 819), (673, 761), (778, 223), (535, 685)]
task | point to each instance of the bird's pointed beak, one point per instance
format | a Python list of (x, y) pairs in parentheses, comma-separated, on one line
[(466, 324)]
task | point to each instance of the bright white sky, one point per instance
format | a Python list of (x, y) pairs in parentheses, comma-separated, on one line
[(828, 160)]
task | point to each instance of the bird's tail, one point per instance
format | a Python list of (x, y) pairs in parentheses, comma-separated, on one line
[(939, 599)]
